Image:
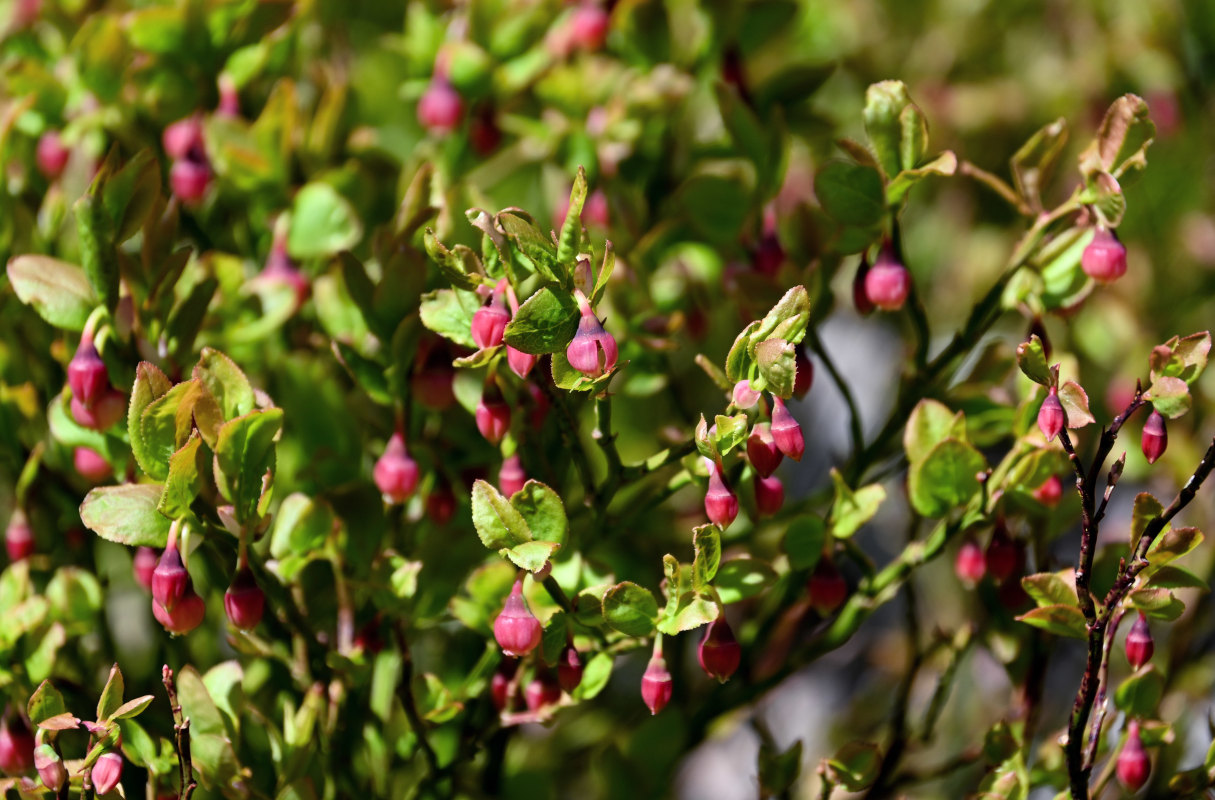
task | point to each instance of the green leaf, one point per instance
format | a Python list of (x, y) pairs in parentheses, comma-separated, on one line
[(301, 525), (884, 104), (133, 708), (595, 676), (322, 223), (368, 374), (1170, 396), (183, 482), (1168, 577), (454, 264), (150, 385), (946, 478), (706, 542), (855, 765), (1034, 163), (499, 524), (1062, 620), (111, 695), (531, 556), (126, 514), (128, 195), (571, 228), (57, 290), (1123, 139), (1031, 358), (97, 253), (776, 361), (730, 432), (44, 703), (630, 609), (740, 578), (1172, 545), (1157, 603), (527, 238), (164, 427), (689, 612), (851, 194), (851, 509), (1140, 694), (543, 512), (449, 313), (944, 164), (930, 423), (244, 453), (554, 637), (605, 273), (778, 771), (1183, 358), (210, 745), (545, 323), (787, 320), (1146, 509), (1049, 588), (1075, 405), (226, 382), (804, 540)]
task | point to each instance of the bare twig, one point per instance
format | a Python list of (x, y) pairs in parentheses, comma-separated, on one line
[(181, 730), (410, 704)]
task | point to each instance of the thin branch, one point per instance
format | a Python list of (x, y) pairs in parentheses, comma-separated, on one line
[(854, 415), (181, 729), (573, 442), (1102, 704), (410, 704), (996, 184)]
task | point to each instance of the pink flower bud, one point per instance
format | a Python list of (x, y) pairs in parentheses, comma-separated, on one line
[(769, 255), (106, 773), (1002, 556), (520, 363), (432, 386), (826, 588), (1134, 765), (719, 653), (51, 156), (762, 451), (540, 406), (144, 566), (805, 372), (888, 282), (1050, 492), (170, 580), (569, 669), (484, 133), (860, 296), (281, 270), (499, 685), (91, 465), (970, 565), (229, 97), (51, 770), (721, 505), (104, 413), (1051, 417), (516, 628), (743, 395), (395, 473), (656, 686), (769, 495), (589, 26), (16, 747), (786, 432), (182, 137), (440, 108), (1139, 644), (511, 476), (1104, 259), (186, 615), (189, 180), (87, 375), (489, 322), (596, 211), (18, 537), (368, 638), (593, 350), (1155, 437), (542, 691), (244, 601), (441, 505), (493, 416)]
